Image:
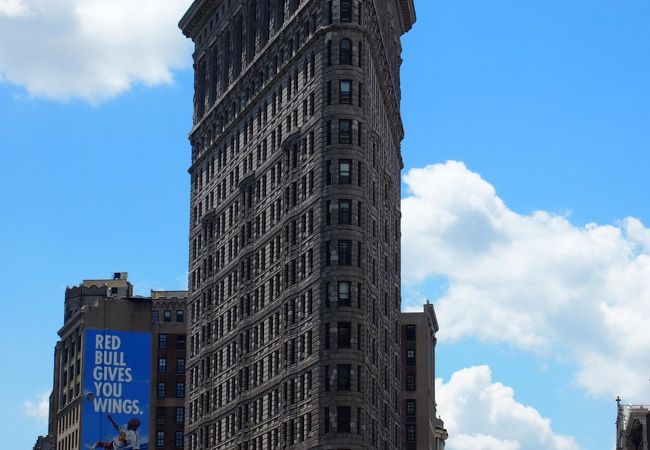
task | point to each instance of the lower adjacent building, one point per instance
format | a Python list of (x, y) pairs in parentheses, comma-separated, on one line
[(632, 427), (168, 386), (45, 443), (421, 428), (119, 368)]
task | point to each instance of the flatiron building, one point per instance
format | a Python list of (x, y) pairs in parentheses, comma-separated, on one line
[(294, 268)]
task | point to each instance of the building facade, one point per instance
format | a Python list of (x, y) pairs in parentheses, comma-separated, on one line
[(294, 273), (632, 427), (168, 383), (109, 304), (422, 429), (45, 443)]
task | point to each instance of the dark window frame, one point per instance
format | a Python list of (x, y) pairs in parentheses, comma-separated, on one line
[(345, 211), (344, 248), (342, 300), (345, 176), (345, 131), (410, 332), (343, 335), (410, 408), (345, 95), (345, 52)]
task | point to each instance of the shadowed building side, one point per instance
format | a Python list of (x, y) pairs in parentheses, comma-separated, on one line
[(422, 429)]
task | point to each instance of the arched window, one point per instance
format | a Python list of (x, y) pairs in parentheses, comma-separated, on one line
[(345, 52)]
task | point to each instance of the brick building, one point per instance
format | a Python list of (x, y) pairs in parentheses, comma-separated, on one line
[(422, 429), (109, 304)]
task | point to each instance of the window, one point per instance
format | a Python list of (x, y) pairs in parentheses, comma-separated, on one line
[(342, 419), (180, 390), (160, 439), (162, 341), (180, 414), (410, 332), (178, 439), (162, 365), (328, 172), (410, 357), (326, 420), (161, 391), (329, 93), (329, 52), (180, 342), (345, 253), (410, 433), (343, 377), (155, 316), (327, 253), (328, 132), (343, 335), (345, 92), (345, 52), (180, 315), (329, 12), (345, 212), (180, 365), (167, 315), (327, 335), (360, 134), (345, 171), (410, 407), (328, 214), (410, 382), (345, 131), (344, 293), (160, 415), (346, 10)]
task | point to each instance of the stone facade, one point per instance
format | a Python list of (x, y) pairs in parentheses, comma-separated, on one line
[(45, 443), (632, 427), (422, 430), (110, 304), (294, 273)]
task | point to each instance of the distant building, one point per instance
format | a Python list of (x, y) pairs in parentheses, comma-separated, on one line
[(632, 431), (421, 428), (100, 307), (168, 386), (45, 443)]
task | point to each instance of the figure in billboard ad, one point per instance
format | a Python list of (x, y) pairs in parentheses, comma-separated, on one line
[(127, 436), (115, 411)]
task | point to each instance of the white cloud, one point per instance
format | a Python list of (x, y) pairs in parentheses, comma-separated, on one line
[(581, 294), (483, 415), (12, 8), (90, 49), (38, 409)]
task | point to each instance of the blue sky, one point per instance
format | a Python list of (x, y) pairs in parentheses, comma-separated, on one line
[(545, 106)]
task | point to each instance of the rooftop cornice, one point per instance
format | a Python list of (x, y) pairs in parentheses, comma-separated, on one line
[(408, 14), (194, 16)]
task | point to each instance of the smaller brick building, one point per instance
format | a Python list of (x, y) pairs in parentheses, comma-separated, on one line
[(421, 428), (109, 304)]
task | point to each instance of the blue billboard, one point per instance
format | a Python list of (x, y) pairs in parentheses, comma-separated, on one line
[(116, 389)]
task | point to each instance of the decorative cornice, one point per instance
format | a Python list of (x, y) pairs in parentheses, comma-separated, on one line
[(195, 14), (408, 14)]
